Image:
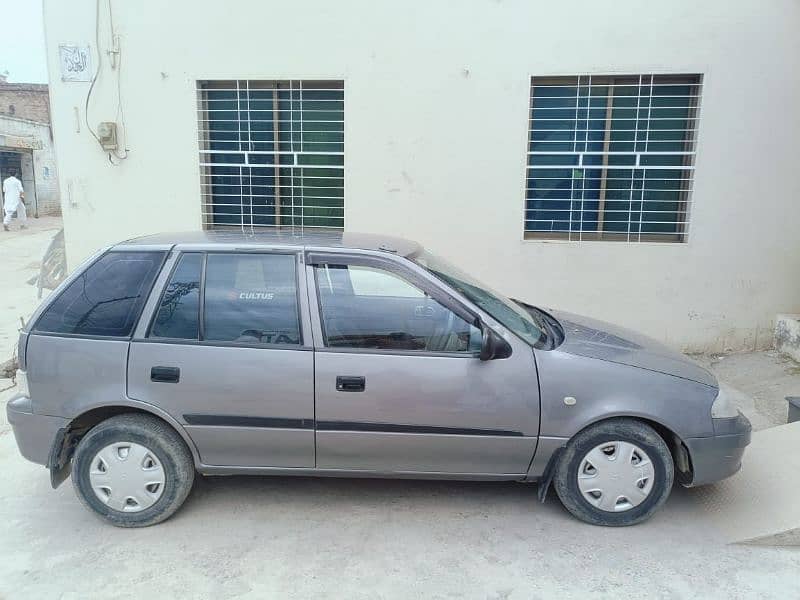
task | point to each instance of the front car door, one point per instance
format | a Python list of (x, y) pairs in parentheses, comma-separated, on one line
[(399, 385), (227, 352)]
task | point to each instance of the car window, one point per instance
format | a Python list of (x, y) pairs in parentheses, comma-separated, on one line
[(374, 282), (372, 308), (106, 299), (527, 324), (178, 313), (251, 298)]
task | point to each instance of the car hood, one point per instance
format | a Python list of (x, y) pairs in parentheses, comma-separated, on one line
[(584, 336)]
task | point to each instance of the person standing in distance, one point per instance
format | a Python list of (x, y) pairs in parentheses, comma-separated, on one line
[(14, 197)]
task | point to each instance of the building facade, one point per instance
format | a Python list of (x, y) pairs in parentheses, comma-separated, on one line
[(628, 161), (26, 144)]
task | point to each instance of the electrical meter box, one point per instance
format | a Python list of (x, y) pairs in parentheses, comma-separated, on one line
[(107, 132)]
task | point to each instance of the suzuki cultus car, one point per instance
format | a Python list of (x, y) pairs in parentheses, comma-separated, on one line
[(344, 354)]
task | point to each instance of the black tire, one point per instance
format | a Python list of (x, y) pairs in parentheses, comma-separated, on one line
[(626, 430), (155, 435)]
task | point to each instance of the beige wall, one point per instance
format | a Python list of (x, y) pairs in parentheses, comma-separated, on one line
[(435, 116)]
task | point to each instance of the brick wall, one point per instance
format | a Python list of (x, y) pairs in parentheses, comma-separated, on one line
[(25, 101)]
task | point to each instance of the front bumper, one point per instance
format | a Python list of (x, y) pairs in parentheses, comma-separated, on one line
[(34, 433), (719, 456)]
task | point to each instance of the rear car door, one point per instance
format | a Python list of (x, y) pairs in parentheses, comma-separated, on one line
[(399, 385), (227, 352)]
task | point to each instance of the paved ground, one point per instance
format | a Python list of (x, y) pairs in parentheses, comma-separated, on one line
[(763, 379), (298, 537)]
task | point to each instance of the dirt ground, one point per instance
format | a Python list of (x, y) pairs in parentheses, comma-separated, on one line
[(20, 255), (282, 537)]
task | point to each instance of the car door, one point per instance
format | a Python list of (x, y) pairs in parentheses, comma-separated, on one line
[(399, 386), (227, 352)]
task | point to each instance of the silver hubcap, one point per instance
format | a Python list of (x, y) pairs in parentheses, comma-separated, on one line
[(616, 476), (127, 477)]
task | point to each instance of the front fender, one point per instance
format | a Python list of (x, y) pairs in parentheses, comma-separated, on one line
[(603, 389)]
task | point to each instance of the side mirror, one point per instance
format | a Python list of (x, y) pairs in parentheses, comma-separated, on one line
[(492, 345)]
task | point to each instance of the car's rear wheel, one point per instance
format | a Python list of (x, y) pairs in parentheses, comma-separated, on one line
[(133, 470), (616, 473)]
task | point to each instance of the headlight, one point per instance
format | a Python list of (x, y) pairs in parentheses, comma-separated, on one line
[(723, 407)]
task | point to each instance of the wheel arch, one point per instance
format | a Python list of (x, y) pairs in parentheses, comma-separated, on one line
[(680, 453), (68, 437), (678, 450)]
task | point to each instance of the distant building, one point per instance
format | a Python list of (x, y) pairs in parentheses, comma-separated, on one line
[(26, 144), (25, 101)]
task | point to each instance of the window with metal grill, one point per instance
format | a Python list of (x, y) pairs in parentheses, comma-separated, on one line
[(611, 157), (272, 153)]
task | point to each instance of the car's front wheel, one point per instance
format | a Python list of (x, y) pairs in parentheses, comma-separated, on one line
[(133, 470), (617, 472)]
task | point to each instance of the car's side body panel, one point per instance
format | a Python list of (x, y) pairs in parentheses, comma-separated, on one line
[(603, 389), (248, 405), (58, 373), (241, 406), (427, 413), (420, 411), (68, 374)]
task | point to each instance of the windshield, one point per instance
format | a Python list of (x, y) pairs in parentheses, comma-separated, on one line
[(526, 324)]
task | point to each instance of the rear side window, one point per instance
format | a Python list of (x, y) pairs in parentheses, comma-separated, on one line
[(106, 299), (178, 313), (251, 298)]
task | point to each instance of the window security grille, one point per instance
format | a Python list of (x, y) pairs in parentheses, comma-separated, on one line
[(272, 153), (611, 157)]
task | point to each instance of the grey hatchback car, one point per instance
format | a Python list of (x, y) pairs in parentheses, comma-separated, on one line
[(348, 355)]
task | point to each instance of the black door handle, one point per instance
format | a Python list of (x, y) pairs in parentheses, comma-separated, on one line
[(165, 374), (347, 383)]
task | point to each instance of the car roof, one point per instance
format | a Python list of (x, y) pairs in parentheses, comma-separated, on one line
[(230, 238)]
